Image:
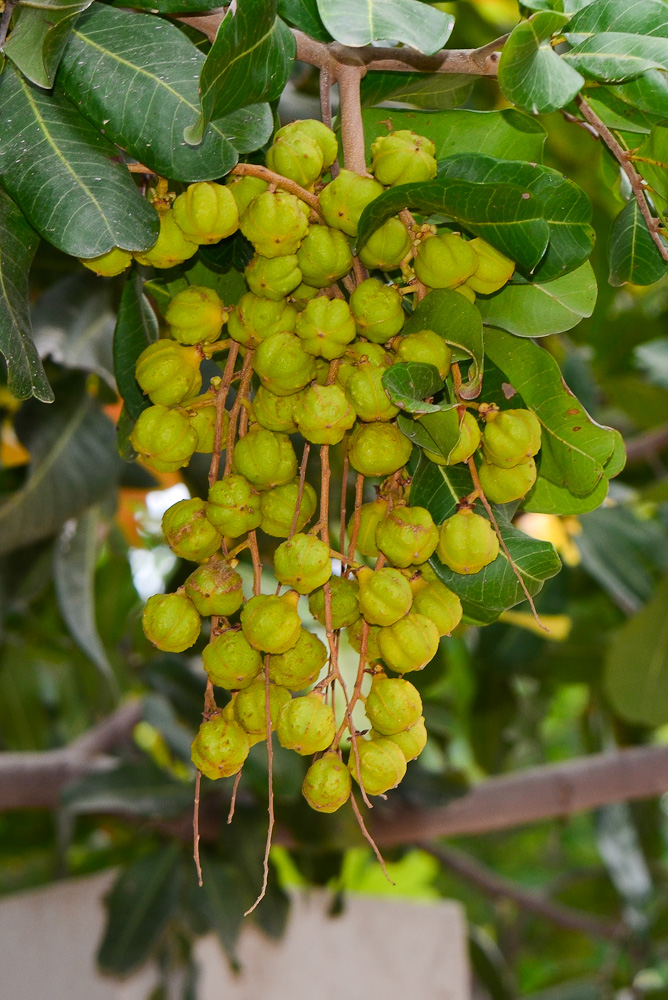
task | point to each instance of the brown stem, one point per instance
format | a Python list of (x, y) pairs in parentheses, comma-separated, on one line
[(233, 800), (300, 491), (270, 791), (342, 515), (246, 375), (349, 76), (198, 865), (221, 399), (257, 563), (256, 170), (357, 515), (647, 446), (368, 837)]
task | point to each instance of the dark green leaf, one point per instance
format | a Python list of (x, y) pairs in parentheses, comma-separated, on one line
[(25, 373), (232, 253), (617, 113), (39, 36), (135, 789), (136, 328), (424, 90), (434, 432), (172, 6), (531, 74), (409, 384), (304, 15), (645, 17), (449, 315), (534, 309), (226, 894), (652, 162), (632, 253), (360, 22), (647, 92), (62, 173), (612, 57)]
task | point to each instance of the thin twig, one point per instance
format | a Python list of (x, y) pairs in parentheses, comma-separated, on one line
[(349, 78), (342, 517), (221, 399), (198, 866), (246, 375), (357, 515), (270, 792), (369, 838), (233, 800), (256, 170)]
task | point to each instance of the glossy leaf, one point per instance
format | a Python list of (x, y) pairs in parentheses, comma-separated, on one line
[(652, 162), (136, 788), (61, 172), (632, 253), (39, 36), (172, 6), (536, 309), (304, 15), (436, 432), (423, 90), (548, 498), (408, 384), (644, 17), (361, 22), (449, 315), (531, 74), (612, 57), (647, 92), (136, 328), (25, 373)]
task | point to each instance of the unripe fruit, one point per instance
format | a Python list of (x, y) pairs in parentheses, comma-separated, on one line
[(324, 256), (168, 372), (371, 514), (244, 190), (230, 661), (466, 291), (503, 485), (345, 609), (274, 223), (345, 198), (255, 319), (493, 271), (403, 158), (297, 157), (271, 624), (273, 277), (392, 705), (377, 310), (323, 415), (164, 438), (306, 725), (467, 443), (303, 563), (354, 634), (366, 393), (250, 706), (108, 264), (203, 419), (196, 315), (378, 449), (382, 765), (411, 741), (327, 784), (467, 542), (299, 667), (188, 531), (435, 601), (387, 247), (206, 212), (282, 364), (171, 246), (276, 413), (360, 353), (409, 644), (325, 327), (426, 347), (265, 459), (510, 437), (278, 507), (171, 622), (234, 506), (303, 294), (445, 261), (385, 595), (215, 589), (407, 536), (318, 133), (220, 748)]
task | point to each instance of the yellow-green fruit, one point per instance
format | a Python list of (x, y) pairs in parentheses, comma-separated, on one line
[(255, 319), (411, 741), (325, 327), (303, 563), (203, 419), (164, 438), (273, 277), (510, 437), (425, 347), (250, 706), (206, 212), (303, 294), (282, 364), (407, 536), (220, 748), (403, 158), (265, 459), (466, 292), (244, 189), (367, 395), (196, 315), (324, 256), (467, 542), (297, 157), (377, 310), (345, 198), (445, 261), (392, 705), (274, 223), (299, 667), (361, 352), (108, 264), (279, 506), (387, 246), (378, 449), (168, 373), (318, 133), (354, 634), (382, 765), (234, 506), (503, 485), (493, 271), (171, 622), (323, 415), (385, 595), (467, 443), (215, 589), (409, 644), (434, 600), (344, 604), (171, 246), (276, 413), (188, 531), (271, 624), (327, 784), (306, 725), (371, 514), (230, 661)]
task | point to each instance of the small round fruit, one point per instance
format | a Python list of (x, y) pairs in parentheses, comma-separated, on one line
[(171, 246), (411, 741), (327, 784), (425, 347), (345, 198), (318, 133), (196, 315), (504, 485), (206, 212), (382, 765), (168, 373), (323, 415), (230, 661), (360, 353), (385, 595), (274, 223), (256, 318), (271, 624), (282, 364), (276, 413), (387, 247), (244, 189), (324, 256), (306, 725), (378, 449), (371, 514), (407, 536), (273, 277), (108, 264), (297, 157), (188, 531), (354, 634), (345, 608), (234, 506), (493, 271), (445, 261), (171, 622), (202, 415), (279, 505), (325, 327), (164, 438), (392, 705), (403, 158), (265, 459), (367, 395), (250, 706), (215, 589), (435, 601), (303, 294), (377, 310), (409, 644), (303, 563), (510, 437), (467, 443), (220, 748), (467, 542), (299, 667)]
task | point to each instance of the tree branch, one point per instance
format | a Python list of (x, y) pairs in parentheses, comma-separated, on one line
[(647, 446)]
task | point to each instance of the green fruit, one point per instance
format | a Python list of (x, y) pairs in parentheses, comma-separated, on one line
[(467, 542), (392, 705), (255, 319), (303, 563), (306, 725), (371, 515), (409, 644), (325, 327), (244, 189), (278, 508), (203, 420), (171, 622), (503, 485), (466, 291), (345, 609), (188, 531), (230, 661), (299, 667), (168, 373), (360, 353), (108, 264), (276, 413), (385, 595), (366, 393), (354, 634), (273, 277), (387, 247), (196, 315), (467, 443), (274, 223), (318, 133), (403, 158), (220, 748), (323, 415), (493, 271), (234, 506), (164, 438), (265, 459), (303, 294), (445, 261), (271, 624), (171, 246), (297, 157), (282, 364), (345, 198), (377, 310), (206, 212), (382, 765), (215, 589), (426, 347), (510, 437), (411, 741), (327, 784), (324, 256), (378, 449), (433, 600), (250, 706), (407, 536)]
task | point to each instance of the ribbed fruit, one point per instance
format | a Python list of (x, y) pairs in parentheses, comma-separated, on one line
[(171, 622), (467, 542), (327, 784), (230, 661), (382, 765), (220, 748), (299, 667)]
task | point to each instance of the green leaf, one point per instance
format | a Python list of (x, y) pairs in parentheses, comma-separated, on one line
[(651, 160), (25, 373), (408, 384), (172, 6), (548, 498), (361, 22), (226, 894), (62, 173), (435, 432), (39, 36), (424, 90), (138, 907), (534, 309), (531, 74), (249, 61), (644, 17), (632, 253), (612, 57), (136, 788), (449, 315), (647, 92), (304, 15), (136, 328)]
